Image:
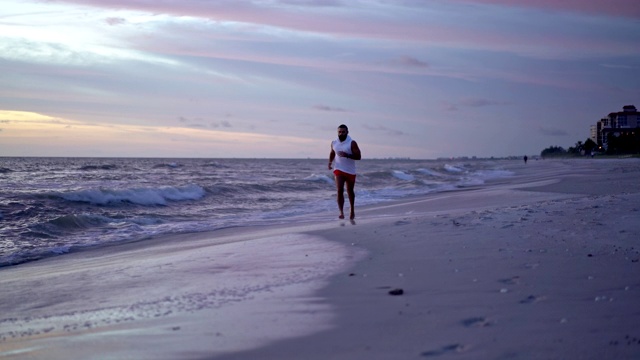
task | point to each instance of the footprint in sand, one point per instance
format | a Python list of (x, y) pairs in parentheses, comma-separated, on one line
[(532, 299), (477, 322), (510, 281), (444, 350)]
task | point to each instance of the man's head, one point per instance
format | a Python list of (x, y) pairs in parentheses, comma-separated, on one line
[(343, 131)]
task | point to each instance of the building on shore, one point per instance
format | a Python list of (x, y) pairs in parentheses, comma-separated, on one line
[(623, 124)]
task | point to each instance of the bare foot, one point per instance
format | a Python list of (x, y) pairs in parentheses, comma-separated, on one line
[(353, 216), (341, 216)]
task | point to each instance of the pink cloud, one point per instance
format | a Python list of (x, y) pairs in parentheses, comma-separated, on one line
[(625, 8), (303, 16), (335, 18)]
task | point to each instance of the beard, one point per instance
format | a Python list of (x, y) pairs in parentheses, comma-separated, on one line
[(342, 137)]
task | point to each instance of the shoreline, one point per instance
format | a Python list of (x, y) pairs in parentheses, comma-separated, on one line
[(501, 270)]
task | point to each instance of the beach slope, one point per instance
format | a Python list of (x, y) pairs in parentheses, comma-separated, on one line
[(542, 265)]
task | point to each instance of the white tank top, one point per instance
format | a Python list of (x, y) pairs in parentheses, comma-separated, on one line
[(342, 163)]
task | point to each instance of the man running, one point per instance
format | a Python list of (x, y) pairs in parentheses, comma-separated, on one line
[(345, 151)]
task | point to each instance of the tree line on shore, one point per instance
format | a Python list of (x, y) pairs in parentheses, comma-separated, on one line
[(617, 145)]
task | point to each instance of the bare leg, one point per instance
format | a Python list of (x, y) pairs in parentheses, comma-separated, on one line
[(352, 198), (340, 180)]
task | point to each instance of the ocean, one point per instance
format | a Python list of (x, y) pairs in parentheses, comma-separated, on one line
[(52, 206)]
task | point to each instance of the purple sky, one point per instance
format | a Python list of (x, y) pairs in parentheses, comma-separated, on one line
[(419, 79)]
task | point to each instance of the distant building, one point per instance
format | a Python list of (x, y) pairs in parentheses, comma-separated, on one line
[(623, 123)]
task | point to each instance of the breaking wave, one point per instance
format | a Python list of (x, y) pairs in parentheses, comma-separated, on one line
[(139, 196)]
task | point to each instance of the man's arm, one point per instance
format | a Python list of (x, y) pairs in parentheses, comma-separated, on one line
[(332, 155), (355, 151)]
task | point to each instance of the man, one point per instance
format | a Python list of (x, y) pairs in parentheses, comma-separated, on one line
[(345, 151)]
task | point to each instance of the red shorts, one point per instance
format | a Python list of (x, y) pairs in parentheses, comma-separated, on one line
[(350, 177)]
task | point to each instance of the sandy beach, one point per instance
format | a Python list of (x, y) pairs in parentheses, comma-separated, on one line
[(541, 265)]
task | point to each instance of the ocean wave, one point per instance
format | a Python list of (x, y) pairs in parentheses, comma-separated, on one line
[(481, 176), (87, 221), (215, 165), (430, 172), (5, 170), (98, 167), (59, 250), (493, 174), (453, 169), (56, 211), (377, 175), (319, 178), (402, 175), (139, 196), (28, 255), (470, 181), (36, 234), (79, 221), (171, 165)]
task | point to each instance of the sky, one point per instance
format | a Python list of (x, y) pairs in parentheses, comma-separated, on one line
[(274, 78)]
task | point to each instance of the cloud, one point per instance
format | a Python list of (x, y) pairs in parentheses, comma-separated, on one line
[(192, 123), (113, 21), (477, 102), (451, 107), (146, 62), (622, 8), (552, 131), (473, 103), (409, 24), (329, 108), (321, 3), (383, 129), (373, 20), (618, 66), (410, 62), (219, 124)]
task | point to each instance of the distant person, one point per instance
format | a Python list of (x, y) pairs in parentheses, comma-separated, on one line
[(525, 159), (345, 152)]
